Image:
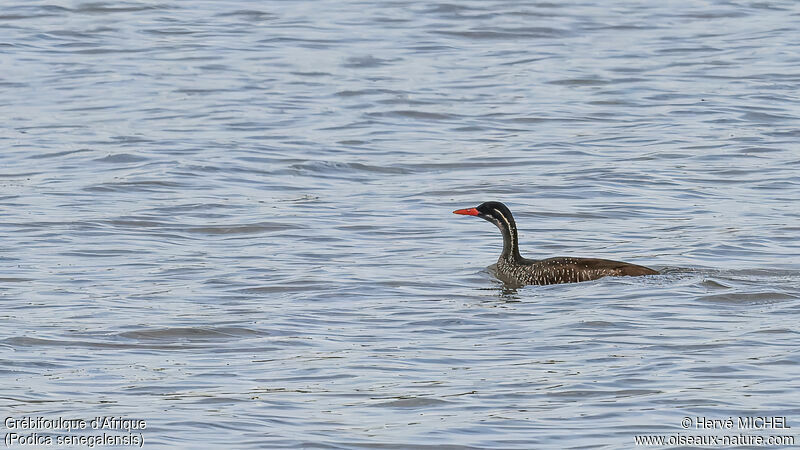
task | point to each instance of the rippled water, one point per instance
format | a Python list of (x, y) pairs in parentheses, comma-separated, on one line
[(233, 219)]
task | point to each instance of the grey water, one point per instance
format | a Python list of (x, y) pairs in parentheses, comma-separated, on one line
[(232, 220)]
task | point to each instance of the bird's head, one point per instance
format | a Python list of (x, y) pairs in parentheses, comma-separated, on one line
[(494, 212)]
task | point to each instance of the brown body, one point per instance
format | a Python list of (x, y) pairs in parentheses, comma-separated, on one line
[(565, 270), (514, 269)]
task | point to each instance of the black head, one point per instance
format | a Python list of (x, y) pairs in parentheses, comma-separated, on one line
[(500, 215), (494, 212)]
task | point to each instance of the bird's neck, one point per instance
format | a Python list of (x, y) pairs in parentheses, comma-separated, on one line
[(510, 239)]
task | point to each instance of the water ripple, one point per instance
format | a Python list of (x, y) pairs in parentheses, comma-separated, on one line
[(233, 220)]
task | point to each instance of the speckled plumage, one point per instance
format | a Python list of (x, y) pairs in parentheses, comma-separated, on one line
[(514, 269), (564, 270)]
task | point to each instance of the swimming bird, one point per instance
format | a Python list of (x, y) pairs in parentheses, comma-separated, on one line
[(514, 269)]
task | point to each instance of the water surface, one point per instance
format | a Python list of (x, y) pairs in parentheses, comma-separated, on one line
[(233, 219)]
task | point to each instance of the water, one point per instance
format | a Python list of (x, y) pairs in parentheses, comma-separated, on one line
[(233, 220)]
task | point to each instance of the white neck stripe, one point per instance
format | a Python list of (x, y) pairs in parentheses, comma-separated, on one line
[(511, 231)]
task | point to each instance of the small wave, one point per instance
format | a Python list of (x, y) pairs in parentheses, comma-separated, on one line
[(748, 298), (121, 158), (328, 167), (263, 227), (191, 334), (135, 186), (413, 403)]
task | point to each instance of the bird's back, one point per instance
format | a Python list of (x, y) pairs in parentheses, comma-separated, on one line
[(567, 270)]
